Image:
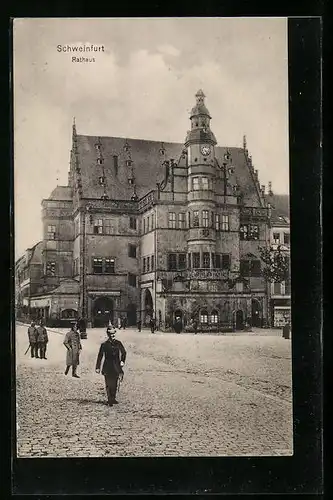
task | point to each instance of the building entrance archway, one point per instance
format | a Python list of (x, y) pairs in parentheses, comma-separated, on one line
[(102, 312)]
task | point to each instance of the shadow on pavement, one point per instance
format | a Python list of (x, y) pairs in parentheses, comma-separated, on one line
[(87, 401)]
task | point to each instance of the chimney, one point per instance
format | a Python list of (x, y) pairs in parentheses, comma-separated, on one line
[(263, 188), (270, 192)]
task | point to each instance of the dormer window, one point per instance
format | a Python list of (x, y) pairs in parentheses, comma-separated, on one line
[(101, 180), (99, 161), (128, 163), (131, 181)]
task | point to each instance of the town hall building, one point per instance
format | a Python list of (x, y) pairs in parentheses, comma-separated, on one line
[(150, 229)]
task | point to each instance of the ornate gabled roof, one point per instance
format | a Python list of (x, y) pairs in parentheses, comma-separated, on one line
[(147, 166)]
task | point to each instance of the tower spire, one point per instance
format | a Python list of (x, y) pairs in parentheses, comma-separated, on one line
[(200, 109), (200, 122), (200, 96)]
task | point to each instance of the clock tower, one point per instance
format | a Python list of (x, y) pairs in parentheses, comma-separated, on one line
[(200, 144)]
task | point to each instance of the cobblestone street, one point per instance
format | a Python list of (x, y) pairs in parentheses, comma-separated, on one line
[(182, 395)]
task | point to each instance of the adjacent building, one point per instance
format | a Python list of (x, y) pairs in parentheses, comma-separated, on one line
[(150, 229), (280, 303)]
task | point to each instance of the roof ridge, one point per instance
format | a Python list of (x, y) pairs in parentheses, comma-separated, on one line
[(141, 139)]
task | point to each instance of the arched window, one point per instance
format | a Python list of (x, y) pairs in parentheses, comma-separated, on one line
[(203, 316), (214, 317), (68, 313)]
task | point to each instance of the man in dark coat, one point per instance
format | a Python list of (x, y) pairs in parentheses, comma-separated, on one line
[(42, 339), (139, 325), (32, 334), (195, 326), (178, 325), (114, 359)]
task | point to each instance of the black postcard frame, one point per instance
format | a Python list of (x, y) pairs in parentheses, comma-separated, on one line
[(303, 472)]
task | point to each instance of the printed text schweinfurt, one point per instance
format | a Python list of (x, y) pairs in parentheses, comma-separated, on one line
[(80, 48)]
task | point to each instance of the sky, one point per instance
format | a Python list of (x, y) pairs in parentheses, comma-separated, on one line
[(143, 86)]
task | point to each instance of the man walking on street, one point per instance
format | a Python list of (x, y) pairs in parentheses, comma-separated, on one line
[(32, 334), (73, 345), (42, 339), (114, 359)]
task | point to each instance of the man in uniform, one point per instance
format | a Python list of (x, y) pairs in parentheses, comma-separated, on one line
[(42, 339), (32, 334), (114, 359)]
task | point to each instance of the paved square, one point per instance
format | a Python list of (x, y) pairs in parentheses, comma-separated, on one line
[(182, 395)]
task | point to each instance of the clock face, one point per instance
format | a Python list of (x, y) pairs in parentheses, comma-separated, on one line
[(205, 150)]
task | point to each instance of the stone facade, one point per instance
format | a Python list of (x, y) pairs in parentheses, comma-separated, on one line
[(280, 293), (146, 229)]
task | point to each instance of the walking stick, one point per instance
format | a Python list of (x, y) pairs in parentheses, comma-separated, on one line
[(27, 349)]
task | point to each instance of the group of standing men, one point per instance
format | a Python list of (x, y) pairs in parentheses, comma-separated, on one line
[(38, 340)]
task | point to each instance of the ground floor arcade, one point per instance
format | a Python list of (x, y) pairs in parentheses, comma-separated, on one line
[(212, 312)]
